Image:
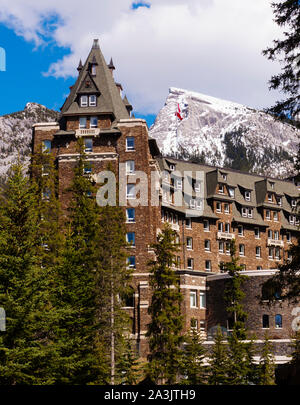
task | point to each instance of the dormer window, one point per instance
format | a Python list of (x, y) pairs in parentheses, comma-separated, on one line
[(93, 70), (272, 185), (197, 187), (83, 101), (279, 201), (221, 189), (270, 197), (231, 192), (294, 203), (248, 195), (172, 167), (224, 176), (92, 101)]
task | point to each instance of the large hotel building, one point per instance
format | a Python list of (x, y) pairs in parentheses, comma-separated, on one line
[(219, 205)]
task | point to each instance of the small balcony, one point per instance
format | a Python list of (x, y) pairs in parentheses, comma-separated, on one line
[(225, 235), (275, 242), (87, 132)]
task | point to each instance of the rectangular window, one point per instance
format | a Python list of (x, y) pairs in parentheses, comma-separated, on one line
[(94, 122), (130, 167), (265, 321), (131, 262), (270, 253), (294, 203), (206, 225), (227, 227), (250, 212), (221, 247), (46, 146), (178, 262), (193, 299), (179, 184), (244, 212), (277, 253), (218, 207), (270, 234), (279, 201), (226, 208), (199, 204), (242, 250), (207, 265), (192, 204), (257, 233), (188, 223), (288, 237), (88, 145), (276, 235), (197, 187), (82, 122), (83, 101), (268, 214), (231, 192), (202, 299), (275, 216), (247, 195), (258, 251), (270, 197), (87, 168), (130, 238), (221, 189), (130, 143), (220, 226), (190, 263), (130, 215), (194, 323), (130, 191), (207, 245), (92, 101), (227, 246), (278, 321), (240, 230), (93, 70), (189, 243)]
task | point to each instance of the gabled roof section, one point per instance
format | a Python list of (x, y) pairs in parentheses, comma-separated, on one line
[(109, 100)]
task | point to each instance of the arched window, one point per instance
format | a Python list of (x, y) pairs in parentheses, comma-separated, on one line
[(278, 321)]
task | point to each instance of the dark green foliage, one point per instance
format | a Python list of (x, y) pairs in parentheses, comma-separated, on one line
[(286, 50), (266, 365), (164, 330), (234, 293), (240, 157), (129, 369), (27, 353), (218, 361), (193, 355)]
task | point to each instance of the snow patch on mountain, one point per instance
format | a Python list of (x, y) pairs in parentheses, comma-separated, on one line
[(16, 134), (217, 132)]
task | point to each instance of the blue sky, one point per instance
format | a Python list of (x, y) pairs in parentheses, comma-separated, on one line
[(209, 46)]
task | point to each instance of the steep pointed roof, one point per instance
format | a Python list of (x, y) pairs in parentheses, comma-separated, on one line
[(109, 100)]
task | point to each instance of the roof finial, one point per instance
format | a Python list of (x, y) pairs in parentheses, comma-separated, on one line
[(96, 44), (80, 66)]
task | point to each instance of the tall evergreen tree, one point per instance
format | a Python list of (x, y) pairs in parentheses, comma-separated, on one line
[(165, 328), (26, 348), (193, 355), (113, 278), (286, 50), (234, 293), (218, 360), (267, 364), (76, 285)]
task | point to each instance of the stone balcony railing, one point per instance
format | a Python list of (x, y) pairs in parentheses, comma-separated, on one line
[(275, 242), (225, 235), (87, 132)]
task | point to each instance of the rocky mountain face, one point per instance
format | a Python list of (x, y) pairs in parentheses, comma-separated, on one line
[(224, 133), (16, 134)]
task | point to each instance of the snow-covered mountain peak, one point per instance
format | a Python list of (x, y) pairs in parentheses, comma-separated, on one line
[(224, 133)]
